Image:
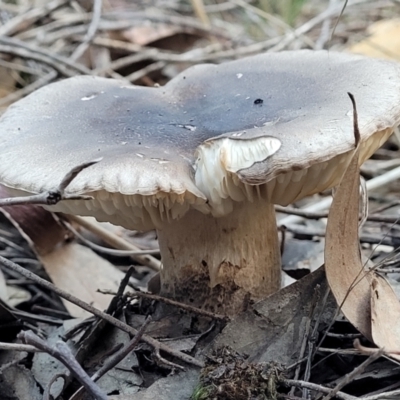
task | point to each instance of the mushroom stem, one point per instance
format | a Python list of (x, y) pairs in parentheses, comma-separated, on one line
[(220, 264)]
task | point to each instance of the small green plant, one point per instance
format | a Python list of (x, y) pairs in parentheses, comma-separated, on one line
[(200, 393)]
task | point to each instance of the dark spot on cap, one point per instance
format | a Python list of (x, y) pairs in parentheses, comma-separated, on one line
[(258, 102)]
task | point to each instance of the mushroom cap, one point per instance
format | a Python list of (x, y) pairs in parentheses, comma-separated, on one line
[(212, 135)]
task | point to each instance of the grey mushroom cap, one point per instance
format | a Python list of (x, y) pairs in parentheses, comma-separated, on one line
[(269, 125)]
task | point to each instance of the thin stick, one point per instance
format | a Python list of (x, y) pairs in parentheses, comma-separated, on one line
[(59, 63), (317, 388), (22, 21), (394, 394), (388, 219), (41, 81), (19, 347), (54, 196), (94, 25), (116, 358), (63, 353), (106, 250), (200, 11), (174, 303), (356, 371), (114, 321), (116, 241), (372, 184)]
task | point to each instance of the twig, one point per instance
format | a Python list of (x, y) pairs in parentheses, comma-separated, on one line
[(106, 250), (174, 303), (310, 24), (356, 371), (344, 336), (387, 219), (114, 321), (372, 184), (364, 237), (141, 73), (116, 358), (311, 337), (307, 340), (62, 353), (278, 22), (317, 388), (324, 36), (116, 241), (200, 11), (42, 81), (19, 347), (394, 394), (24, 20), (94, 25), (59, 63), (54, 196), (371, 350), (353, 352), (15, 66)]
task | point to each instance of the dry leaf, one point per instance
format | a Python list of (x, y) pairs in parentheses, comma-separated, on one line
[(7, 82), (385, 316), (366, 299), (383, 42), (274, 328), (74, 268), (347, 277), (148, 33), (81, 272)]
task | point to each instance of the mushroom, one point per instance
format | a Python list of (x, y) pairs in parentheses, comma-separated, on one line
[(204, 158)]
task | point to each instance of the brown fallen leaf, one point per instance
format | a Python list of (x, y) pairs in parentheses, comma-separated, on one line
[(273, 330), (347, 276), (72, 267), (366, 299), (145, 34), (383, 42), (385, 316), (81, 272), (7, 82)]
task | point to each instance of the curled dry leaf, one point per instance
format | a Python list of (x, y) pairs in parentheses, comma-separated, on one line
[(347, 277), (366, 299), (385, 316)]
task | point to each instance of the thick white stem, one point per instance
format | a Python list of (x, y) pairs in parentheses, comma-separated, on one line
[(222, 263)]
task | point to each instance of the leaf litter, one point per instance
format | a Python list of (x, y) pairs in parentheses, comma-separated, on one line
[(289, 328), (365, 298)]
